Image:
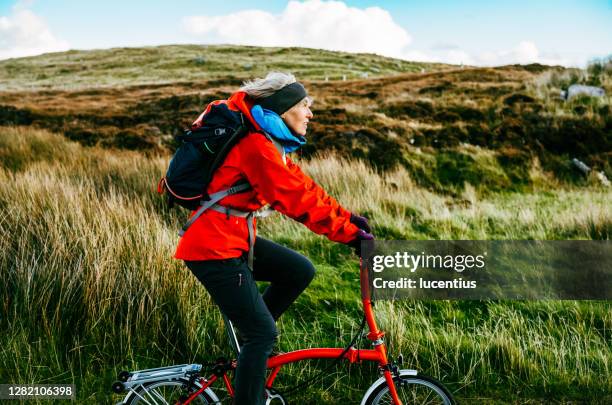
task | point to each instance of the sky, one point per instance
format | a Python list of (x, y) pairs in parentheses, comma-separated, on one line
[(473, 32)]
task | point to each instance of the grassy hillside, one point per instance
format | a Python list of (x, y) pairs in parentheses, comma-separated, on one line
[(89, 285), (446, 125), (119, 67)]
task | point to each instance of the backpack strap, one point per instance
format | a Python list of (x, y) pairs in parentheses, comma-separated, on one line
[(278, 146), (239, 133), (214, 197), (250, 216)]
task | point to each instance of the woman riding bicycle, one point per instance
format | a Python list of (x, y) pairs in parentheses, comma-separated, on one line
[(216, 246)]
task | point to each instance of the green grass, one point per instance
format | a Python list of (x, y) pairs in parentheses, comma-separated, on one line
[(90, 288), (189, 63)]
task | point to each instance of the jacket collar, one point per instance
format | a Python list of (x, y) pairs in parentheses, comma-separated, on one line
[(240, 101)]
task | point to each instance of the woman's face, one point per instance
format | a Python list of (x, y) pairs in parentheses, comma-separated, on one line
[(297, 117)]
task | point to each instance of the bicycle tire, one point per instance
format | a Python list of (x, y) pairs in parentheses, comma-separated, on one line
[(167, 392), (412, 389)]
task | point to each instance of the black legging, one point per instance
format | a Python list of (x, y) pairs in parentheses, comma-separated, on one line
[(232, 287)]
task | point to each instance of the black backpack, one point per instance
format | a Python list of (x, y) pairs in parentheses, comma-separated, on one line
[(202, 150)]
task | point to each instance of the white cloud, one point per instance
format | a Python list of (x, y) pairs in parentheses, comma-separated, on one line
[(335, 26), (23, 33), (524, 52), (315, 24)]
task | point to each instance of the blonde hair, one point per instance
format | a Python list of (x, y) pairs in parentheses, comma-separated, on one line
[(274, 81)]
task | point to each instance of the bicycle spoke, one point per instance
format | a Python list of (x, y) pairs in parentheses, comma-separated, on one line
[(148, 393), (157, 394), (426, 399), (140, 396)]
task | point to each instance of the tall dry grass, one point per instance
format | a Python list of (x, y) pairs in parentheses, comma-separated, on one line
[(90, 287)]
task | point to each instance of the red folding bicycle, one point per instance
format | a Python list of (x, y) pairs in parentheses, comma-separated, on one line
[(187, 383)]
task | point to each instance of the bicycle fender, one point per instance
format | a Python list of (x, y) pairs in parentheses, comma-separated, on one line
[(382, 380)]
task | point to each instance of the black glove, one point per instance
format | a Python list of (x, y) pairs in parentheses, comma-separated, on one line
[(360, 236), (361, 222)]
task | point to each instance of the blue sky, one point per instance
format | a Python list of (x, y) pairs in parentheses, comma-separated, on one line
[(479, 32)]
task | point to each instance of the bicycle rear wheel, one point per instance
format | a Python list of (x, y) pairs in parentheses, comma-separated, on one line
[(167, 392), (411, 389)]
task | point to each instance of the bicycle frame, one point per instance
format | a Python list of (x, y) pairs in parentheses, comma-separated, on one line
[(378, 354)]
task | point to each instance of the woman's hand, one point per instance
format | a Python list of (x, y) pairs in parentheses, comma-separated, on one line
[(359, 237), (361, 222)]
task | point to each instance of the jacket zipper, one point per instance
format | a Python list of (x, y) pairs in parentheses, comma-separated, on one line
[(239, 279)]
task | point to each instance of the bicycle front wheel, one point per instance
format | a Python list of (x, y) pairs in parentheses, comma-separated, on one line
[(167, 392), (411, 389)]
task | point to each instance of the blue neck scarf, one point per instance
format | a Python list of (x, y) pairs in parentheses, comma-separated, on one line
[(274, 125)]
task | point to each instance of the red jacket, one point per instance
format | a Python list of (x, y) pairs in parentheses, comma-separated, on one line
[(284, 186)]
